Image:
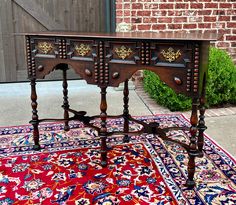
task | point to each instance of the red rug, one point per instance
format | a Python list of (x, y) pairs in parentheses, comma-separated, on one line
[(145, 171)]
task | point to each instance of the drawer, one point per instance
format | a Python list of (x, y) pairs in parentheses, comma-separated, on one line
[(171, 54)]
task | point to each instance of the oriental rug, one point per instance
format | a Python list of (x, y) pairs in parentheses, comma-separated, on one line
[(146, 170)]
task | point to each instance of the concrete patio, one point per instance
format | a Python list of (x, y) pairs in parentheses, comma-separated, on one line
[(16, 109)]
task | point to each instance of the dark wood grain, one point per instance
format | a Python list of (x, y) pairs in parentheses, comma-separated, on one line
[(34, 120), (126, 110), (180, 60), (103, 130), (206, 36)]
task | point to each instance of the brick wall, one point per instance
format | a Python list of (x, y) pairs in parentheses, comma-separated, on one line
[(182, 15)]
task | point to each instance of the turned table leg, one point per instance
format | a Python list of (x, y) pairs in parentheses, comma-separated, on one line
[(201, 122), (103, 130), (65, 98), (34, 120), (126, 110), (193, 144)]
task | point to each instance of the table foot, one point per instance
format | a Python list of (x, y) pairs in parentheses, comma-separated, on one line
[(190, 184), (66, 127), (126, 139), (104, 163), (36, 147), (200, 154)]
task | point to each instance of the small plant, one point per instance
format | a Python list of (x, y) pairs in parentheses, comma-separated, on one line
[(221, 84)]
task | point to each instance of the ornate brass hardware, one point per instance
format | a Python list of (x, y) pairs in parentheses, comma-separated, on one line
[(170, 55), (82, 49), (123, 52), (115, 75), (45, 47)]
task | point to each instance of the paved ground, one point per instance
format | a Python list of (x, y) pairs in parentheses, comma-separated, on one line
[(16, 109)]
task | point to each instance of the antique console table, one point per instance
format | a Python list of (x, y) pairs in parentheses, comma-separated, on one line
[(179, 59)]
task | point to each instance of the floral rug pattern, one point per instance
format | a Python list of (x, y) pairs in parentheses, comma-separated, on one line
[(146, 170)]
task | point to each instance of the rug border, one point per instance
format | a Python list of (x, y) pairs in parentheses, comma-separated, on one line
[(180, 114), (214, 142)]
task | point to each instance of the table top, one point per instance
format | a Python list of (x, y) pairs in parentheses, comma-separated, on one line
[(207, 36)]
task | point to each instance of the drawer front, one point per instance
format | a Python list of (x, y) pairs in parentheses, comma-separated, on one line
[(171, 54), (110, 62)]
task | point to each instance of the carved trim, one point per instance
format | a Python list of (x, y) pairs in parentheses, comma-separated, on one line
[(96, 72), (45, 47), (170, 55), (62, 49), (123, 52), (82, 49), (101, 61), (196, 69), (188, 83), (143, 53), (28, 54), (147, 53)]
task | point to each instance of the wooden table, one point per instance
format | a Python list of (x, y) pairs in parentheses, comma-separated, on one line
[(179, 59)]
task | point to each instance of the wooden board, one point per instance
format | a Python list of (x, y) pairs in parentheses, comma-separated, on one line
[(20, 16)]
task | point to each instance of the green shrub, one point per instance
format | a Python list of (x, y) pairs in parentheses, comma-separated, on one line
[(221, 84)]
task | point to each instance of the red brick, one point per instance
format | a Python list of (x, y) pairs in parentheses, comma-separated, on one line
[(134, 13), (134, 27), (225, 5), (152, 6), (204, 25), (159, 13), (231, 12), (166, 6), (149, 20), (126, 6), (144, 27), (175, 26), (143, 13), (209, 18), (164, 20), (205, 12), (127, 13), (118, 6), (233, 18), (171, 13), (223, 31), (222, 44), (119, 20), (182, 6), (137, 6), (211, 5), (179, 19), (218, 25), (234, 31), (119, 12), (158, 26), (231, 38), (233, 44), (218, 12), (224, 18), (196, 6), (189, 26), (231, 24), (136, 20)]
